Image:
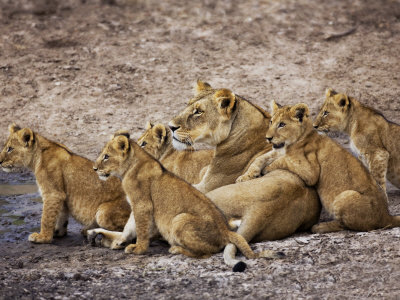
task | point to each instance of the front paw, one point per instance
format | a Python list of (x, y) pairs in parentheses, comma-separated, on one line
[(135, 249), (39, 238)]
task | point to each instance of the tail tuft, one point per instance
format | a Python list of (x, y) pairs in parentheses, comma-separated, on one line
[(239, 267), (280, 254)]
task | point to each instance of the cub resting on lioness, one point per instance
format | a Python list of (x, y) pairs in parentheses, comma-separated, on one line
[(185, 217), (188, 164), (375, 139), (346, 189), (67, 183), (272, 207)]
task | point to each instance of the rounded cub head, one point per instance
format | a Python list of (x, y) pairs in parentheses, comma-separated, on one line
[(155, 139), (114, 154), (206, 119), (19, 148), (333, 115), (287, 124)]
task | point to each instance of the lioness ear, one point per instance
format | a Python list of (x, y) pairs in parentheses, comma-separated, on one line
[(226, 101), (274, 106), (201, 86), (27, 137), (160, 131), (123, 143), (149, 125), (13, 128), (330, 92), (299, 111)]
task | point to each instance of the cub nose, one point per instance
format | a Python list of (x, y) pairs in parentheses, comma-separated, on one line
[(269, 139), (173, 128)]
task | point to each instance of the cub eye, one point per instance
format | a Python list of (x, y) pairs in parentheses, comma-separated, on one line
[(143, 144), (325, 113), (270, 122), (105, 157), (197, 111), (10, 149), (281, 124)]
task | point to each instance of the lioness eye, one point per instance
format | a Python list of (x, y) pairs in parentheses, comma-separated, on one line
[(105, 157), (281, 124), (325, 113), (143, 144), (10, 149)]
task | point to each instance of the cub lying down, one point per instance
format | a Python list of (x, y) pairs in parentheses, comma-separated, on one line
[(185, 217), (67, 183), (346, 189)]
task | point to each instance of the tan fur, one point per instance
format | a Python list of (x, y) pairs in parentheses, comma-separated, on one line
[(67, 183), (227, 121), (346, 189), (188, 164), (185, 217), (271, 207), (377, 140)]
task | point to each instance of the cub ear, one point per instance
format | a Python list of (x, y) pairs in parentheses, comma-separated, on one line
[(13, 128), (124, 133), (160, 131), (123, 143), (27, 137), (226, 101), (274, 106), (330, 92), (299, 111), (149, 125), (344, 101), (201, 86)]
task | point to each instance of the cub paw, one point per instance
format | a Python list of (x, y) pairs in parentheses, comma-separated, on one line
[(60, 233), (135, 249), (39, 238), (115, 245)]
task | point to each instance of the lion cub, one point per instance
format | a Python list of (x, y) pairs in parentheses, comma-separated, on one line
[(67, 184), (346, 189), (188, 164), (375, 139), (185, 217)]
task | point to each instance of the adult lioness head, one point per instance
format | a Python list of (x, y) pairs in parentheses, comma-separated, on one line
[(287, 124), (207, 118), (112, 159), (19, 149), (334, 113)]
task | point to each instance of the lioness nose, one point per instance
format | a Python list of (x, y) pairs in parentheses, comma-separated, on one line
[(269, 139), (173, 128), (95, 169)]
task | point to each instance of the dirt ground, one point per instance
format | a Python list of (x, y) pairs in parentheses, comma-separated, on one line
[(76, 71)]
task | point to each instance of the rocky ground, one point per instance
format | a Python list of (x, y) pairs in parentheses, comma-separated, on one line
[(76, 71)]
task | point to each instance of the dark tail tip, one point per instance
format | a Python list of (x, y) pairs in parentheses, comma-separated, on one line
[(280, 254), (239, 267)]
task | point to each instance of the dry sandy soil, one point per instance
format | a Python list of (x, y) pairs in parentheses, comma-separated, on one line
[(76, 71)]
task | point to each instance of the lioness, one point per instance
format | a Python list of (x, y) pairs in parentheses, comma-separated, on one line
[(67, 183), (346, 189), (271, 207), (187, 164), (374, 139), (185, 217), (227, 121)]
